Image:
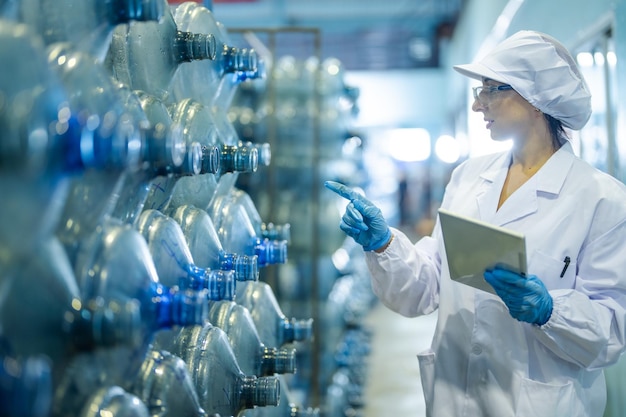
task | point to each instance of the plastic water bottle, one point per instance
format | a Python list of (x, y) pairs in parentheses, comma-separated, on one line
[(287, 407), (55, 320), (196, 121), (223, 388), (38, 102), (25, 387), (115, 262), (206, 248), (199, 126), (241, 234), (164, 151), (173, 260), (87, 24), (157, 114), (113, 402), (111, 139), (164, 383), (146, 56), (266, 230), (196, 127), (202, 80), (253, 356), (205, 81), (90, 199), (163, 187), (273, 326)]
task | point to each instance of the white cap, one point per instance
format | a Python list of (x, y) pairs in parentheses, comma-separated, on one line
[(542, 71)]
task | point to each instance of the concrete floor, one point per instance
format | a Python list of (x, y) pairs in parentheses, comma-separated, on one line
[(393, 386)]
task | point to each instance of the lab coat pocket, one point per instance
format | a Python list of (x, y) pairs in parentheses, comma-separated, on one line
[(427, 375), (539, 399), (554, 273)]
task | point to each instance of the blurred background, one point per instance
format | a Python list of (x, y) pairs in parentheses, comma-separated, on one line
[(167, 247)]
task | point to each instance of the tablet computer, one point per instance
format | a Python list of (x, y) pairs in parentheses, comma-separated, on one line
[(473, 245)]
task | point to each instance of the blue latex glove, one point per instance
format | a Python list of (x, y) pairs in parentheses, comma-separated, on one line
[(526, 297), (362, 221)]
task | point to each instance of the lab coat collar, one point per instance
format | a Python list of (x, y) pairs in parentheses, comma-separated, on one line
[(549, 179)]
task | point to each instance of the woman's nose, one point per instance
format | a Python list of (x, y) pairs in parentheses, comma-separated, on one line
[(477, 106)]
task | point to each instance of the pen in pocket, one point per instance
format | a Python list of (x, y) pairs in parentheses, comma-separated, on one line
[(567, 261)]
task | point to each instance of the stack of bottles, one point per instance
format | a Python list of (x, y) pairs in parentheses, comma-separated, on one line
[(310, 108), (131, 265)]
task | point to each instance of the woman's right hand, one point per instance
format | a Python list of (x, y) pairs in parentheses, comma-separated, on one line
[(362, 221)]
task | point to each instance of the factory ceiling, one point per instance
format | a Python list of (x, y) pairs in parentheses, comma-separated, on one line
[(363, 34)]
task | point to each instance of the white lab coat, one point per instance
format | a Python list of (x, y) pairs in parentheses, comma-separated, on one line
[(482, 362)]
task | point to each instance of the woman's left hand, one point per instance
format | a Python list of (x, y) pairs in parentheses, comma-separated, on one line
[(526, 297)]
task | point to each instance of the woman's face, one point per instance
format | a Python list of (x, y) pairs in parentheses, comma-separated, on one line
[(507, 114)]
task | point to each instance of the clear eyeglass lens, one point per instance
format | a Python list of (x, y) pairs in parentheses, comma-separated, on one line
[(485, 93), (481, 93)]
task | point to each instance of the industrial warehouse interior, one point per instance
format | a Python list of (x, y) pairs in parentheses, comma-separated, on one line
[(171, 245)]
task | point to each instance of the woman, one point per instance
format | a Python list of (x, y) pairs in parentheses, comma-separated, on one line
[(538, 347)]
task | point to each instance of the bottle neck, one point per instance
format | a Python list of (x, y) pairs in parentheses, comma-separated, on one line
[(239, 159), (106, 147), (195, 46), (220, 285), (278, 361), (264, 151), (269, 252), (244, 266), (210, 160), (238, 60), (100, 324), (296, 330), (259, 392), (179, 306)]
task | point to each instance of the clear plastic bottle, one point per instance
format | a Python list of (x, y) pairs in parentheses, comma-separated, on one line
[(191, 117), (221, 385), (158, 116), (25, 387), (202, 80), (266, 230), (163, 187), (115, 262), (248, 67), (206, 81), (287, 407), (197, 121), (146, 57), (253, 356), (273, 326), (56, 20), (164, 147), (164, 383), (113, 402), (54, 319), (238, 232), (206, 248), (90, 199), (173, 260), (112, 139), (38, 101)]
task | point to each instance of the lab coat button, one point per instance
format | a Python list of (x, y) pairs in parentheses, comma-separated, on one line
[(477, 350)]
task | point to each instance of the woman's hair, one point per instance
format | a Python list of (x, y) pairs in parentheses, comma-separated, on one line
[(557, 131)]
